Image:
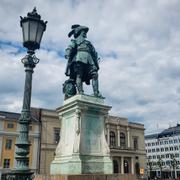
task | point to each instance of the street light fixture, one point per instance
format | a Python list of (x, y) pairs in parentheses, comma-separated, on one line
[(32, 28)]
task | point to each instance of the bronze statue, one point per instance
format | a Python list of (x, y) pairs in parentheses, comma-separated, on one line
[(82, 63)]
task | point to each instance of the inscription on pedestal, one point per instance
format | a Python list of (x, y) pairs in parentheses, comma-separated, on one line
[(92, 134)]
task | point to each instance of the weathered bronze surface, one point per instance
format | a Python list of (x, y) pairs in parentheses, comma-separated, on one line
[(82, 65)]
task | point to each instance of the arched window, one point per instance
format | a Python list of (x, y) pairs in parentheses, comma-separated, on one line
[(112, 139), (122, 140), (135, 141), (115, 166)]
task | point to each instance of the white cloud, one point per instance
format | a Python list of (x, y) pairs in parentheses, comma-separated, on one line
[(138, 42)]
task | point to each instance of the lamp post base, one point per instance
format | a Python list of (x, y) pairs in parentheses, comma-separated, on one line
[(20, 175)]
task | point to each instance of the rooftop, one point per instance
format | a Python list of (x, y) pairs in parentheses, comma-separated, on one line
[(171, 131), (4, 115)]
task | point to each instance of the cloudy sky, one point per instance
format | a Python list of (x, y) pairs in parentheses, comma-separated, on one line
[(138, 42)]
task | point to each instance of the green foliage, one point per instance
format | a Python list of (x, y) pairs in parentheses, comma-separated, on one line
[(173, 161)]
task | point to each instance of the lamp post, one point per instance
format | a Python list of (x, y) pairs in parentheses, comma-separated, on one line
[(32, 28)]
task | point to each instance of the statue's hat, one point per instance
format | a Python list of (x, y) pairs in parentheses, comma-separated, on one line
[(76, 30)]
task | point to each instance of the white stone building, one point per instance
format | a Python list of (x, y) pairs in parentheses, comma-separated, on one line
[(164, 148)]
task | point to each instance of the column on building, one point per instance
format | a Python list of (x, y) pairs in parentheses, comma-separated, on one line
[(122, 165), (128, 137), (132, 165), (118, 136), (35, 154)]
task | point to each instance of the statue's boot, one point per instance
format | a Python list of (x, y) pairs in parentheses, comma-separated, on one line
[(95, 86), (79, 85)]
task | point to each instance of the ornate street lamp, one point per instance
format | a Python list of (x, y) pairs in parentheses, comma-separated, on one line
[(32, 28)]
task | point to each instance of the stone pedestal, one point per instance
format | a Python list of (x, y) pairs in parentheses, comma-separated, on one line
[(82, 148), (87, 177)]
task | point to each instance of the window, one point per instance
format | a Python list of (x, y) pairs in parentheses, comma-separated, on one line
[(162, 149), (154, 157), (153, 144), (157, 149), (175, 147), (162, 156), (112, 139), (126, 166), (30, 128), (137, 167), (10, 125), (170, 141), (176, 155), (166, 148), (171, 148), (6, 163), (135, 143), (171, 156), (56, 135), (115, 166), (8, 144), (149, 150), (167, 155), (153, 150), (161, 142), (122, 140)]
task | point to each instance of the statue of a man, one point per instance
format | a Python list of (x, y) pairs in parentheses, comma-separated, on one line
[(82, 58)]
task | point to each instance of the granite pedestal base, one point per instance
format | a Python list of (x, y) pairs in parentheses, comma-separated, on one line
[(82, 148)]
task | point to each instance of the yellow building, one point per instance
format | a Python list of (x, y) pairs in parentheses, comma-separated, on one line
[(9, 131), (50, 135), (127, 145)]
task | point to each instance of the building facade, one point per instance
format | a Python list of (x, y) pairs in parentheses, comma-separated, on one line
[(125, 139), (127, 147), (9, 131), (50, 135), (163, 152)]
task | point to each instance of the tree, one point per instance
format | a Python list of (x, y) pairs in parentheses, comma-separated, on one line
[(160, 163), (174, 164), (149, 165)]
